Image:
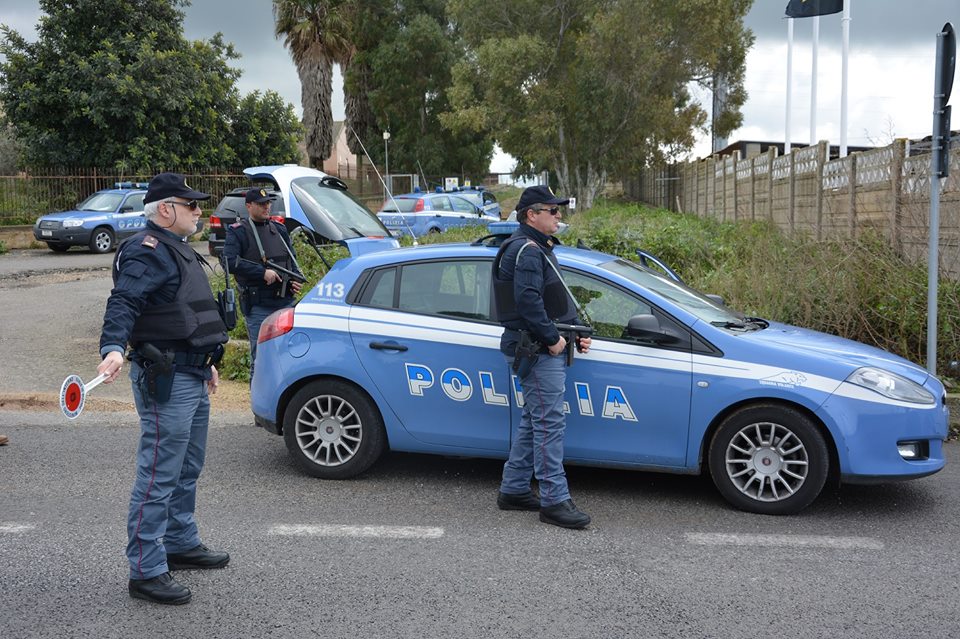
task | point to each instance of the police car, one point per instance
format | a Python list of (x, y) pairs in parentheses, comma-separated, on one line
[(99, 222), (398, 349), (419, 213)]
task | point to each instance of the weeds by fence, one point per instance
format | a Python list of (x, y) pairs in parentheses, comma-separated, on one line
[(883, 192)]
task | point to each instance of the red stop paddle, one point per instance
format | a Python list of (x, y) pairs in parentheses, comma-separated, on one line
[(73, 392)]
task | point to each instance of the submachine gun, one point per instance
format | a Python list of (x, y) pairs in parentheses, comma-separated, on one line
[(286, 275), (529, 349)]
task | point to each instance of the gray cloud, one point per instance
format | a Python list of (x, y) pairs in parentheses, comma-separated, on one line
[(887, 24)]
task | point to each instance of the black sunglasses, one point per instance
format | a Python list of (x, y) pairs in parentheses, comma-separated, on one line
[(193, 205), (553, 210)]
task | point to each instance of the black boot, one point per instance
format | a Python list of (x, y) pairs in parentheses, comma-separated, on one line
[(198, 557), (565, 514), (162, 589), (525, 501)]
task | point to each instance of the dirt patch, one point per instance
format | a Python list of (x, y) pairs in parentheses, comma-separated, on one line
[(230, 397)]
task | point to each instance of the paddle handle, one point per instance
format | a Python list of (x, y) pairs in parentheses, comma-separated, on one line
[(93, 383)]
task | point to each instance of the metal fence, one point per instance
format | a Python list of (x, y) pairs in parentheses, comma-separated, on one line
[(885, 190)]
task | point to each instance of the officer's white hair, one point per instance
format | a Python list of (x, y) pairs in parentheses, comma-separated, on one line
[(151, 210)]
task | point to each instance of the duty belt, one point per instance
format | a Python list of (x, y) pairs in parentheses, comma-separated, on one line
[(200, 360)]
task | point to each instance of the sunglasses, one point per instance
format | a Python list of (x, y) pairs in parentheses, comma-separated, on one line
[(193, 205), (553, 210)]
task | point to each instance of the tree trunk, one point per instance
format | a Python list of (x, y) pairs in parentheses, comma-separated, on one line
[(316, 72)]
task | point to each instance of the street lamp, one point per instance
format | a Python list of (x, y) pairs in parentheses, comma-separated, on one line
[(386, 161)]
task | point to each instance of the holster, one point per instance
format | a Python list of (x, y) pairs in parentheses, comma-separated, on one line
[(526, 355), (158, 372)]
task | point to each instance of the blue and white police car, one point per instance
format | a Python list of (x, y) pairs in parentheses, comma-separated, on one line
[(419, 213), (398, 349), (99, 222)]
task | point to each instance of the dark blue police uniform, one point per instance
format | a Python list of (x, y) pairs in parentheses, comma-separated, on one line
[(159, 293), (258, 299)]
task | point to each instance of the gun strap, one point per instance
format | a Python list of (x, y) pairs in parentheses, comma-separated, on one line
[(256, 238), (576, 304)]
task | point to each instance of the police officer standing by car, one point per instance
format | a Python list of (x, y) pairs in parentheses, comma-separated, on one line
[(531, 299), (162, 305), (250, 248)]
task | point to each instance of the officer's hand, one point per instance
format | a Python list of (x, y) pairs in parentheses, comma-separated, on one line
[(214, 381), (583, 344), (296, 286), (270, 276), (557, 348), (111, 365)]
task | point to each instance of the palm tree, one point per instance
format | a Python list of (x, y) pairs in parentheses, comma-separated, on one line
[(317, 33)]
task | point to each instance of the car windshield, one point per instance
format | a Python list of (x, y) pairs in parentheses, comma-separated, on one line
[(337, 205), (692, 301), (101, 202)]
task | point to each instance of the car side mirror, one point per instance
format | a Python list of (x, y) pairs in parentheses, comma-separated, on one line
[(647, 327), (126, 209), (713, 297)]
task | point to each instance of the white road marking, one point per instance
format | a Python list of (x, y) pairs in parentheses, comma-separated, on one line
[(16, 528), (784, 541), (336, 530)]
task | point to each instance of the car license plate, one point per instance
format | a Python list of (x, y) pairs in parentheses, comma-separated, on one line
[(46, 233)]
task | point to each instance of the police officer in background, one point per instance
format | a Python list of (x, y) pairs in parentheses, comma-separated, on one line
[(162, 305), (530, 298), (255, 241)]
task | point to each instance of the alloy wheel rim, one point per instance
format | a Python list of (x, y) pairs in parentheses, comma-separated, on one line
[(103, 241), (767, 462), (329, 430)]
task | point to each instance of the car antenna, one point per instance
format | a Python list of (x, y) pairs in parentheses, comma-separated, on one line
[(426, 184), (385, 189)]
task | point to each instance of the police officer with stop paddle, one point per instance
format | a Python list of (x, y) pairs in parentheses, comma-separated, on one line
[(163, 307)]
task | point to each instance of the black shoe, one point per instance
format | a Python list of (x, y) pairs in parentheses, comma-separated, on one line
[(524, 501), (565, 514), (199, 557), (162, 589)]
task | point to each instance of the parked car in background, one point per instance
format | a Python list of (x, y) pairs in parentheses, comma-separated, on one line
[(399, 349), (480, 197), (98, 222), (421, 213), (305, 200)]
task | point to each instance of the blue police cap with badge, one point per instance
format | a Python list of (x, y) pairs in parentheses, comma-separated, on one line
[(164, 185)]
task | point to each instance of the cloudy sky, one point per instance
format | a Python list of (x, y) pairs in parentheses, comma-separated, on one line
[(892, 52)]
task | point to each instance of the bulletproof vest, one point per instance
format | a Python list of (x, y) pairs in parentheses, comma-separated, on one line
[(274, 248), (556, 301), (191, 322)]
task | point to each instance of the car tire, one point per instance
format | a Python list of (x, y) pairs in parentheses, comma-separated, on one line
[(769, 459), (433, 229), (333, 430), (58, 248), (102, 240)]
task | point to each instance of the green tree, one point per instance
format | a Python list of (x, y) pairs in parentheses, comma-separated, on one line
[(114, 82), (318, 34), (265, 130), (594, 88), (411, 72)]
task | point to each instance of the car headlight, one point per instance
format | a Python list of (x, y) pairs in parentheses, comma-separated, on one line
[(69, 224), (891, 385)]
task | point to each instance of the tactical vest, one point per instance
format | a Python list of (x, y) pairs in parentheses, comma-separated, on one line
[(274, 248), (556, 301), (191, 322)]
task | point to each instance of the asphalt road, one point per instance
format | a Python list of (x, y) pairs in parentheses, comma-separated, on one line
[(416, 547)]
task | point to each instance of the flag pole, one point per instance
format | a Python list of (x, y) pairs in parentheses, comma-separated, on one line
[(845, 21), (786, 134), (813, 81)]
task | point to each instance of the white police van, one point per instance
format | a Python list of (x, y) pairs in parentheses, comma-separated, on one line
[(398, 349)]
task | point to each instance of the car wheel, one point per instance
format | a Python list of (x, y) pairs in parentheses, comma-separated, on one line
[(333, 430), (102, 239), (769, 459), (58, 248), (433, 229)]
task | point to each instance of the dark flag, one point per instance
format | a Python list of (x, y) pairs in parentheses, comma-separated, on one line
[(811, 8)]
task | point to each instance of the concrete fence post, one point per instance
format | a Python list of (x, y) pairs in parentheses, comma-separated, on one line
[(771, 156), (896, 184), (823, 155), (792, 194), (852, 213)]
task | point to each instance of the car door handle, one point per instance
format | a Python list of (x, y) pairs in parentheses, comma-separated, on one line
[(387, 346)]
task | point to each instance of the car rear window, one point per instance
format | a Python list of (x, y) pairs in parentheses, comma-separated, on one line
[(402, 205)]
